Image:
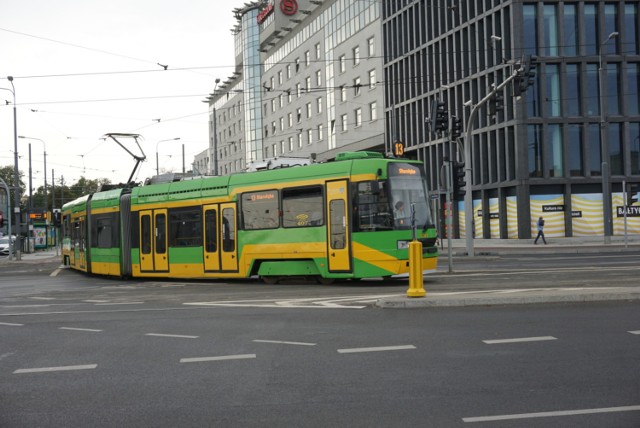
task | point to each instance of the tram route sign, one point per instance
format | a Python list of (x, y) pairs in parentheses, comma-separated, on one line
[(633, 211)]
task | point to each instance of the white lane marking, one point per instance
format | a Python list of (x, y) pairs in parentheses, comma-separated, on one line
[(43, 298), (222, 358), (635, 332), (56, 369), (24, 306), (96, 301), (119, 303), (11, 324), (520, 339), (172, 335), (79, 329), (552, 414), (55, 272), (375, 349), (311, 302), (282, 342)]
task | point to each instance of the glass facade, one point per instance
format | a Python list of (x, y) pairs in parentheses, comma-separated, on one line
[(584, 103)]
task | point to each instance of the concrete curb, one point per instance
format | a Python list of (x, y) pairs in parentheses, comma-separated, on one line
[(511, 297)]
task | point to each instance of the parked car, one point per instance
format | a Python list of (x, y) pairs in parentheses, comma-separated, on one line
[(4, 245)]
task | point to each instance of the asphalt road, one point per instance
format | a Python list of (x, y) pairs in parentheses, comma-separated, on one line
[(137, 365), (82, 351)]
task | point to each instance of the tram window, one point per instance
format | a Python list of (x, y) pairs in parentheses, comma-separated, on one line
[(161, 234), (146, 234), (338, 226), (104, 232), (373, 210), (260, 210), (185, 227), (210, 230), (302, 207), (228, 230)]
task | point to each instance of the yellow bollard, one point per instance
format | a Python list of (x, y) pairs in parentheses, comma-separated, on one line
[(416, 282)]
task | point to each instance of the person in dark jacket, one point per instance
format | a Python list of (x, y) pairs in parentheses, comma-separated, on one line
[(540, 231)]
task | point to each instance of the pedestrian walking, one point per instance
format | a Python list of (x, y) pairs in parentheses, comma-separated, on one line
[(540, 231)]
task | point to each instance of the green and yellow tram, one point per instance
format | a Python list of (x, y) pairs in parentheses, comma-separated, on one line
[(334, 220)]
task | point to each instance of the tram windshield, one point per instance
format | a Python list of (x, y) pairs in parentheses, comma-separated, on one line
[(386, 205)]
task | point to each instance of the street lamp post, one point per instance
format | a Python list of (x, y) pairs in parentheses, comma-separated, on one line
[(604, 152), (157, 162), (215, 132), (16, 183)]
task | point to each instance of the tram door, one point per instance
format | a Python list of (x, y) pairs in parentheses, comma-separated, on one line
[(338, 238), (153, 241), (220, 236)]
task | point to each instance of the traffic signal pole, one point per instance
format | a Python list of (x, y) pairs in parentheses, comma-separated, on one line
[(468, 198)]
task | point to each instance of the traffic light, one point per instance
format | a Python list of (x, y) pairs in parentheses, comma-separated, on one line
[(459, 182), (526, 75), (56, 217), (496, 103), (456, 127), (439, 117), (632, 193)]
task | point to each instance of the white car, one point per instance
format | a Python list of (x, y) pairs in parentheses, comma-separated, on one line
[(4, 245)]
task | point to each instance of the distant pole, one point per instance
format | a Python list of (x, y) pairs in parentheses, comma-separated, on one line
[(183, 168), (16, 177)]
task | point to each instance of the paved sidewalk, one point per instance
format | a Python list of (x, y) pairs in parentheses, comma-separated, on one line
[(512, 297)]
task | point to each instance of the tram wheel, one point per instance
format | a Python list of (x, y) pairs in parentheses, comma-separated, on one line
[(325, 281), (270, 279)]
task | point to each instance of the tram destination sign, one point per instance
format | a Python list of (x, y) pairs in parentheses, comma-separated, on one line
[(632, 211)]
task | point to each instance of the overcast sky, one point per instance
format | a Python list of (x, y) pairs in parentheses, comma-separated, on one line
[(84, 68)]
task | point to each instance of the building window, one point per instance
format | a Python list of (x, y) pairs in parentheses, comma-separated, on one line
[(572, 88), (309, 136), (556, 150), (594, 154), (356, 86), (290, 117), (275, 150), (371, 47), (373, 113), (320, 133), (343, 64), (281, 100), (290, 144), (344, 122), (530, 28), (308, 110), (535, 150), (307, 58), (343, 93), (613, 80), (318, 78), (297, 65), (288, 71), (551, 30), (298, 114), (279, 77), (592, 100), (319, 104), (307, 81), (616, 157), (590, 23), (356, 55), (571, 31), (358, 117), (298, 90), (372, 79), (633, 85), (282, 124), (634, 147), (630, 41), (299, 140), (318, 52), (553, 97), (273, 127)]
